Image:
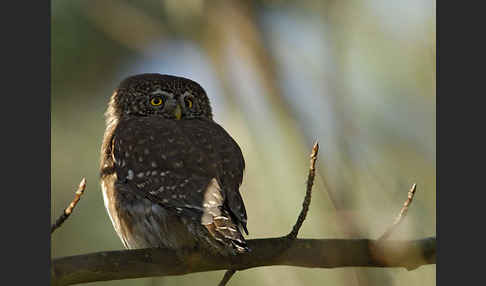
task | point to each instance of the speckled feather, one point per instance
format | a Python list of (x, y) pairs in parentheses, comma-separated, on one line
[(161, 168), (175, 169)]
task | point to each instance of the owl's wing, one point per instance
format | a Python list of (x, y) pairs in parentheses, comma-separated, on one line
[(231, 175), (173, 163), (226, 154)]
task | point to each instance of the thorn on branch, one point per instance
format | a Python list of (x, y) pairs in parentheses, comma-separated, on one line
[(401, 215), (67, 212), (227, 276), (310, 182)]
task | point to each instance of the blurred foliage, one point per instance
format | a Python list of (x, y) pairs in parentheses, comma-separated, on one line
[(359, 76)]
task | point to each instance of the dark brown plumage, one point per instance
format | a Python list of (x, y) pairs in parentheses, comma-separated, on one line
[(170, 175)]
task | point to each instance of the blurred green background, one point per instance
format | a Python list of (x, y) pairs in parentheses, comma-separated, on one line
[(358, 76)]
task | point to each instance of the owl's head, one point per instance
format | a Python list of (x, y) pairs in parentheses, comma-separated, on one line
[(169, 96)]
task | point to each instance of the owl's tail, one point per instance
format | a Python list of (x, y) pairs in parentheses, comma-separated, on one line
[(225, 231), (218, 221)]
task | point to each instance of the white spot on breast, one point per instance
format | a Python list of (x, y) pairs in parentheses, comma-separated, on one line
[(140, 175), (130, 175)]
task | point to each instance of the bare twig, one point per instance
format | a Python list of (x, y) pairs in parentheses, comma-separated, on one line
[(303, 213), (307, 199), (227, 276), (312, 253), (401, 215), (67, 212)]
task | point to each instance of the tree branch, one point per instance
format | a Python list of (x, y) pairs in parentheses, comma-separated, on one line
[(320, 253), (67, 212), (303, 213), (401, 215), (287, 250), (308, 193), (227, 276)]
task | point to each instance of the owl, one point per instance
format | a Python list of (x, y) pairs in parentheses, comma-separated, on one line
[(170, 175)]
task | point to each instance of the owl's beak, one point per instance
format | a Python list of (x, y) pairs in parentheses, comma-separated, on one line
[(178, 112)]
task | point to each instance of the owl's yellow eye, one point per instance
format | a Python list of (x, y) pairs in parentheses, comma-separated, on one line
[(156, 101), (188, 102)]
